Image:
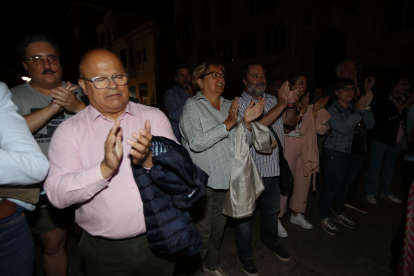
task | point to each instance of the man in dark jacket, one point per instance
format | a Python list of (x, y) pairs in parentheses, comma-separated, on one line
[(387, 135)]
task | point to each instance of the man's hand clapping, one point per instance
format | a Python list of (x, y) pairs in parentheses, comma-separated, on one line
[(66, 98), (113, 151), (253, 111), (141, 148)]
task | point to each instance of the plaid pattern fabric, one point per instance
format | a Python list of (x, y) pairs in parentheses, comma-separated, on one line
[(268, 164)]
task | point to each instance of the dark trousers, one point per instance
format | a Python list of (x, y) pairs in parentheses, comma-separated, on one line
[(126, 257), (269, 202), (16, 245), (207, 215), (339, 171), (352, 194)]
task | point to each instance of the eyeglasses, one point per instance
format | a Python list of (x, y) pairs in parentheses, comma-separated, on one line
[(39, 60), (103, 82), (348, 89), (215, 75)]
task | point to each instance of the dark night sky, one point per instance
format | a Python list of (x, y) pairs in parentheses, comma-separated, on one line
[(51, 18)]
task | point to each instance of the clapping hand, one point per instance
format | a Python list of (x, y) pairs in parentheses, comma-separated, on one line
[(232, 117), (113, 151), (369, 95), (293, 96), (369, 83), (320, 104), (66, 98), (253, 111), (362, 103), (141, 148)]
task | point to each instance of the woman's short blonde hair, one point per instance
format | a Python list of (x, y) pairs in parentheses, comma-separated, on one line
[(203, 69)]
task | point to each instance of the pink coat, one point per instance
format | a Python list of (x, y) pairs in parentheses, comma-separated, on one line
[(308, 130)]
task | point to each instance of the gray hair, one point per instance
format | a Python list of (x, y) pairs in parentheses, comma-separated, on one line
[(338, 66)]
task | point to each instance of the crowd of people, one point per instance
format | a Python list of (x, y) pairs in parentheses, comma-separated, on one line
[(144, 186)]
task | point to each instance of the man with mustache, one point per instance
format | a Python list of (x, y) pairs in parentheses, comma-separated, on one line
[(45, 102), (176, 97), (277, 111)]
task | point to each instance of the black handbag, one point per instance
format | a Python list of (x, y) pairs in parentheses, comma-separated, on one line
[(285, 175)]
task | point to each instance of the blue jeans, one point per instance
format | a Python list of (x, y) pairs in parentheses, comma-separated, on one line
[(16, 245), (269, 202), (340, 171), (381, 151)]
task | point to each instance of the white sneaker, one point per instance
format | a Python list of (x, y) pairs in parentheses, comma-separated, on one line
[(391, 198), (281, 231), (301, 221), (371, 199)]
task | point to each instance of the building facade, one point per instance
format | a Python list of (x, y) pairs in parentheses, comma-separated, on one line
[(297, 36)]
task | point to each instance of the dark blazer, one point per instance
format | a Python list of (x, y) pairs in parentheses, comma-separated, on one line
[(387, 120), (173, 184)]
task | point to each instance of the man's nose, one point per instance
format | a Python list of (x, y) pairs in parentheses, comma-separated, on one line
[(46, 63), (112, 84)]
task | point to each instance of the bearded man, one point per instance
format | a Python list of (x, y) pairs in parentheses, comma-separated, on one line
[(277, 111)]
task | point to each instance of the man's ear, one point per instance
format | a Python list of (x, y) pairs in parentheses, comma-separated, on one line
[(82, 84), (245, 82), (336, 92), (24, 65), (175, 79)]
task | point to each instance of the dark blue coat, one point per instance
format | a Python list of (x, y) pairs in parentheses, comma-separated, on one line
[(173, 184)]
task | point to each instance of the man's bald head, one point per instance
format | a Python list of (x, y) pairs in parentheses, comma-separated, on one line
[(112, 100), (96, 57)]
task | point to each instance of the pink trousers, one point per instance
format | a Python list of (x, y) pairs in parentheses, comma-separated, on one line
[(299, 194)]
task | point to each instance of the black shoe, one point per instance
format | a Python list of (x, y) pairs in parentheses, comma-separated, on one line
[(248, 266), (280, 253)]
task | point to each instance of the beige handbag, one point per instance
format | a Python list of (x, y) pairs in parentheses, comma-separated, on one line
[(246, 183)]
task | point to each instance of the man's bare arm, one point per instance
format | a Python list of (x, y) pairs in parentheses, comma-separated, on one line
[(39, 118)]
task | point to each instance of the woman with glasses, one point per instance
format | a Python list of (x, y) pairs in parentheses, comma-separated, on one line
[(342, 152), (207, 127), (301, 152)]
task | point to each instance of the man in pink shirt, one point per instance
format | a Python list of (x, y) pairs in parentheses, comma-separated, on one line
[(90, 166)]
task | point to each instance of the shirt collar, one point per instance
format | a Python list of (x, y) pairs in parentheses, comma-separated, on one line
[(250, 97), (200, 96), (94, 113)]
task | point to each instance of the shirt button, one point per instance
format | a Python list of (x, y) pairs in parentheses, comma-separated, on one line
[(139, 210), (133, 187), (100, 187), (127, 164)]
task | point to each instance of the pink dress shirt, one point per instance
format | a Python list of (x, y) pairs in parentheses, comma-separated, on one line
[(107, 208)]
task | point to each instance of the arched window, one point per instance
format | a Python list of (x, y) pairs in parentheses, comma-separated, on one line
[(144, 55), (139, 56), (276, 39)]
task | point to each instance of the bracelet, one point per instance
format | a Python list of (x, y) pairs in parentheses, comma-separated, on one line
[(292, 106), (248, 128), (367, 108), (300, 114)]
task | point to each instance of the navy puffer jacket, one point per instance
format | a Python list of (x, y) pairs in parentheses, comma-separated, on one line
[(173, 184)]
